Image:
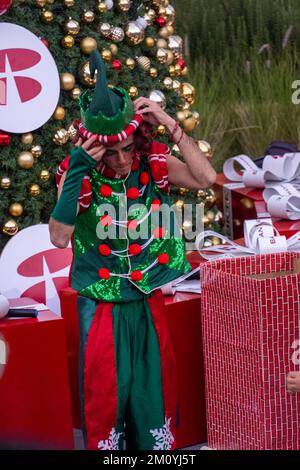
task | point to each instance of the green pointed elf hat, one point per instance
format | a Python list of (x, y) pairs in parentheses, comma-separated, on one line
[(107, 111)]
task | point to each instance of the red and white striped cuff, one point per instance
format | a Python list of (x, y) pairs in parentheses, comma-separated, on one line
[(111, 139)]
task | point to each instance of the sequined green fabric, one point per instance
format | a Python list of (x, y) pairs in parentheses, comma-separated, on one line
[(88, 237)]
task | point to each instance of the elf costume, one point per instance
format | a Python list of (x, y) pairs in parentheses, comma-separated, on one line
[(124, 250)]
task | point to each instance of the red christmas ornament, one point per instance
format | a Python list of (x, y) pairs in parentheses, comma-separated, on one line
[(135, 249), (105, 190), (181, 62), (161, 21), (104, 273), (159, 232), (133, 193), (5, 139), (155, 204), (163, 258), (104, 250), (105, 220), (144, 178), (117, 65), (132, 224), (5, 6), (45, 42), (136, 275)]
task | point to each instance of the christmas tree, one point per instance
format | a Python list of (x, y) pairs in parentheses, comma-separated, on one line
[(137, 40)]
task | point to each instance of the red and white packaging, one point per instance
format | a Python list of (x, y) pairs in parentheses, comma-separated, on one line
[(251, 334)]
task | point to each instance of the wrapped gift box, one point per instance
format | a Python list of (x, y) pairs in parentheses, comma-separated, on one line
[(250, 321), (35, 407), (239, 203), (183, 314)]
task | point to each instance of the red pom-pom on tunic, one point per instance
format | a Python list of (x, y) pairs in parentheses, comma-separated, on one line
[(104, 273), (136, 275)]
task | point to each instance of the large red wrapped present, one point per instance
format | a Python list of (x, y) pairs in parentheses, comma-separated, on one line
[(250, 321)]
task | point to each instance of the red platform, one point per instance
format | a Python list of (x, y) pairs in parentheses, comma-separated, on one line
[(183, 313), (35, 408)]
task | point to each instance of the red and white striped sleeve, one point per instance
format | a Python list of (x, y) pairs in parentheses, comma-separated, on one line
[(158, 165), (85, 195)]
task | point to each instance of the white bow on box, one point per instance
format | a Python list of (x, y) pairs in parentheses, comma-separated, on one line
[(260, 237), (280, 176)]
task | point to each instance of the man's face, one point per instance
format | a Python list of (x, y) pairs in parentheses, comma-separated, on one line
[(119, 157)]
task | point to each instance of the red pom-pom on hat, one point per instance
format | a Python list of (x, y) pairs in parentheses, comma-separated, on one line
[(104, 273), (136, 275), (135, 249), (104, 250), (144, 178), (163, 258), (105, 190), (105, 220), (133, 193), (159, 232)]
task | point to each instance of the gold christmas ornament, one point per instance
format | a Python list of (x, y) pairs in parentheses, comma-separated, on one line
[(44, 175), (197, 117), (102, 7), (188, 92), (27, 138), (34, 190), (172, 70), (85, 75), (161, 11), (10, 228), (114, 49), (162, 43), (179, 203), (117, 34), (170, 59), (175, 44), (72, 27), (104, 29), (151, 13), (181, 116), (40, 3), (184, 71), (68, 41), (216, 240), (15, 209), (75, 93), (69, 3), (5, 182), (144, 62), (153, 72), (106, 55), (133, 92), (164, 33), (210, 198), (134, 34), (189, 124), (168, 83), (177, 70), (130, 63), (47, 16), (159, 98), (88, 44), (88, 16), (67, 81), (162, 56), (36, 150), (61, 137), (72, 131), (205, 148), (170, 29), (177, 86), (25, 160), (161, 129), (170, 14), (59, 113), (183, 191), (210, 215), (150, 42), (124, 5)]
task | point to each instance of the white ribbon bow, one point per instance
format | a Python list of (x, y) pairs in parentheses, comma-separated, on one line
[(260, 237)]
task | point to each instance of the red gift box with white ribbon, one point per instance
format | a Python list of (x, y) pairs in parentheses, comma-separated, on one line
[(250, 325)]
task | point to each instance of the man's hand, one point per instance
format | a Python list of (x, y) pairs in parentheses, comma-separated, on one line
[(93, 148), (293, 382), (153, 113)]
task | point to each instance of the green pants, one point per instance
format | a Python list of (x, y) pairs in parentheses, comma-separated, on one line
[(129, 374)]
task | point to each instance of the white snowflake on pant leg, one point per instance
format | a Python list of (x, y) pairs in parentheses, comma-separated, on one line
[(163, 436), (112, 443)]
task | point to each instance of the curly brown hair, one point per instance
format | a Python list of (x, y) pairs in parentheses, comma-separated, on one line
[(143, 136)]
